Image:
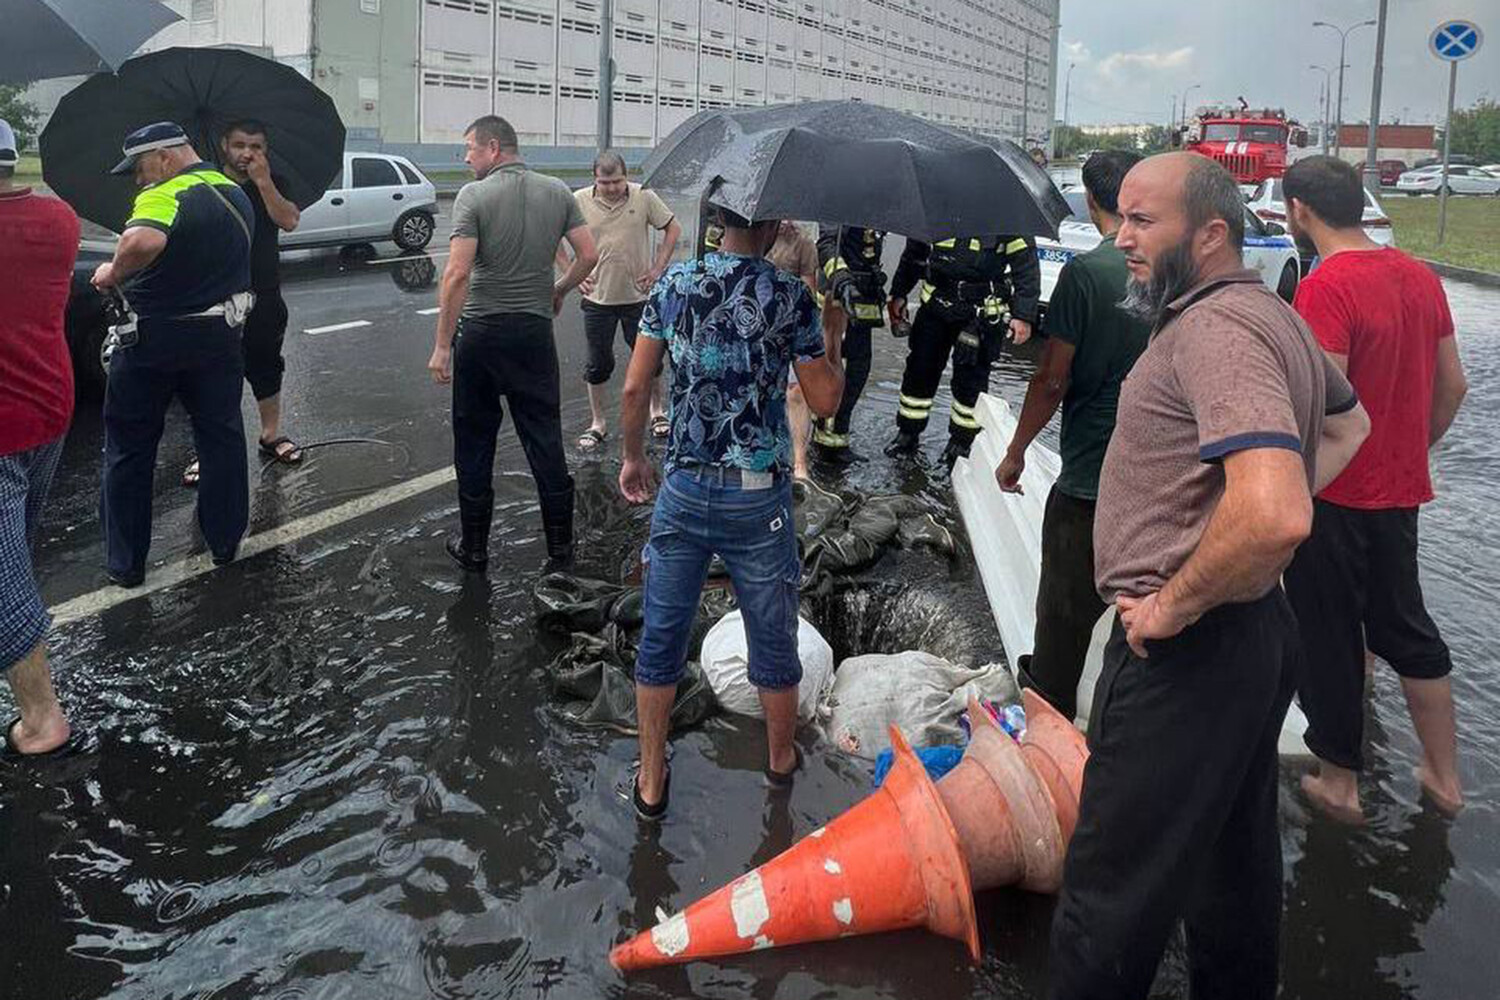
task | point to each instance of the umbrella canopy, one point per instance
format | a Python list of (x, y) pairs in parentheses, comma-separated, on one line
[(203, 90), (857, 164), (43, 39)]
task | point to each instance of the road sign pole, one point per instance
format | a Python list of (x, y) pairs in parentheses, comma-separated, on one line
[(1447, 145)]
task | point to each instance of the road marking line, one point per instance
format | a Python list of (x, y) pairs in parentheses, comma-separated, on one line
[(353, 325), (430, 312), (434, 255), (101, 600)]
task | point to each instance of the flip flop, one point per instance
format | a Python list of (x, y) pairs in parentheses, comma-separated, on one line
[(190, 475), (660, 427), (272, 450), (10, 753), (783, 779), (650, 813), (591, 439)]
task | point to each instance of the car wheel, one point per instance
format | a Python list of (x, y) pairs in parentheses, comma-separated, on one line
[(1286, 286), (413, 230)]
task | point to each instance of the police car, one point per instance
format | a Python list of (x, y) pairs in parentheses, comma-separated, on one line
[(1273, 255)]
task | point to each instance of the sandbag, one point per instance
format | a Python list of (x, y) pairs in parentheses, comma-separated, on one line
[(726, 661), (921, 693)]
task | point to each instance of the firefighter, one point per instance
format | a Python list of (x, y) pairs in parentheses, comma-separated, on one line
[(850, 257), (973, 292)]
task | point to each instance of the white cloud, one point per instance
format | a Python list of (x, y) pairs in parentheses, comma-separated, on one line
[(1132, 63), (1077, 52)]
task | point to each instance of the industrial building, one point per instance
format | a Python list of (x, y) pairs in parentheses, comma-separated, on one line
[(404, 71)]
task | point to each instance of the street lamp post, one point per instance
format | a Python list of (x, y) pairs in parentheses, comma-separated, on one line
[(1323, 110), (1372, 144), (1185, 94), (1068, 94), (1338, 112)]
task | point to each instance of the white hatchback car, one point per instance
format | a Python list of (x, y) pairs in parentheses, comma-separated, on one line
[(376, 198), (1461, 180), (1268, 203), (1273, 256)]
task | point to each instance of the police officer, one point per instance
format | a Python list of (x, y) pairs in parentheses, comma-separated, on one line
[(183, 264), (850, 257), (968, 285)]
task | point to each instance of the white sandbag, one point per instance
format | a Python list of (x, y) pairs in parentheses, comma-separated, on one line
[(921, 693), (726, 662)]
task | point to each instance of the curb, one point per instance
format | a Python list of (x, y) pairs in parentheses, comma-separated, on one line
[(1468, 274)]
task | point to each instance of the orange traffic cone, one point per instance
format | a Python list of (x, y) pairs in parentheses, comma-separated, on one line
[(892, 861), (1007, 822), (1056, 751)]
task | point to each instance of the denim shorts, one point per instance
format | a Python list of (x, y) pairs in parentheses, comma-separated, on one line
[(24, 479), (698, 513)]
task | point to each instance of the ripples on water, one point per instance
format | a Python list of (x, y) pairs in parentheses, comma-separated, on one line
[(334, 771)]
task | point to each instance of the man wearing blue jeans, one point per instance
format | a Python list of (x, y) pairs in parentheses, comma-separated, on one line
[(735, 326)]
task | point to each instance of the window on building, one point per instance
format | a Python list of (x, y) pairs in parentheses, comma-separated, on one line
[(369, 6), (204, 11), (370, 172)]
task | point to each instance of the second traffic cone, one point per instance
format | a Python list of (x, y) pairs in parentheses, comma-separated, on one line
[(1007, 822), (1057, 752), (890, 862)]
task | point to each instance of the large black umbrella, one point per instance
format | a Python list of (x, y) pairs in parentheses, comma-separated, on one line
[(203, 90), (42, 39), (857, 164)]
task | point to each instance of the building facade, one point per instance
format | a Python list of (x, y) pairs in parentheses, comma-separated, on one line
[(403, 71)]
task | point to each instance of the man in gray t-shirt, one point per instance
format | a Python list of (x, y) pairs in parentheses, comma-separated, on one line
[(499, 280)]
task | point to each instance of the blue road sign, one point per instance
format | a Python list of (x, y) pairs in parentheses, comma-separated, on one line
[(1454, 40)]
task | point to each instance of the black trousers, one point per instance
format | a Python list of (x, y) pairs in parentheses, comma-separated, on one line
[(264, 333), (1354, 583), (599, 323), (199, 362), (932, 337), (1067, 603), (1178, 816), (510, 357)]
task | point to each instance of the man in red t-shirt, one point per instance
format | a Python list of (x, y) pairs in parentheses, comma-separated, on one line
[(1383, 318), (38, 243)]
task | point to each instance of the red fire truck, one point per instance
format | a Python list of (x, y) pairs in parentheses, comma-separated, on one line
[(1251, 143)]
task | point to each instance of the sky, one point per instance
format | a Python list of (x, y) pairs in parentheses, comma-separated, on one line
[(1131, 56)]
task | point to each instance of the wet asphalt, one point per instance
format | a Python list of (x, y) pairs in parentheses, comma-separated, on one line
[(335, 768)]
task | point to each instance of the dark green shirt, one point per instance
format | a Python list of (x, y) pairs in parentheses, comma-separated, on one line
[(1085, 312)]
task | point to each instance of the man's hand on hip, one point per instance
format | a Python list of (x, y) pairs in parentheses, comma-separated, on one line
[(441, 365), (1147, 618)]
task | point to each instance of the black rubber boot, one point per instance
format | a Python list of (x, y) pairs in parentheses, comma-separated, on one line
[(904, 443), (471, 549), (957, 448), (557, 523)]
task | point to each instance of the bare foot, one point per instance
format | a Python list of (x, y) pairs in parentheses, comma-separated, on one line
[(1446, 795), (1335, 803), (49, 734)]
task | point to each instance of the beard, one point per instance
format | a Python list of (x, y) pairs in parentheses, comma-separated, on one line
[(1305, 245), (1172, 274)]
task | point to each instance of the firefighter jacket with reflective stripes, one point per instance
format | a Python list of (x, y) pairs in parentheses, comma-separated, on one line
[(958, 270), (857, 252)]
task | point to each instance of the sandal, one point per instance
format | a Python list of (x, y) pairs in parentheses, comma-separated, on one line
[(660, 426), (591, 439), (273, 450), (650, 813), (9, 752), (190, 475), (783, 779)]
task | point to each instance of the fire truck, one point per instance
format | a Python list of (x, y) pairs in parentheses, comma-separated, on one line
[(1253, 144)]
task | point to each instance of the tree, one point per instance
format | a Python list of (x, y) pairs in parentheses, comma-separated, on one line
[(1067, 141), (22, 116), (1476, 131)]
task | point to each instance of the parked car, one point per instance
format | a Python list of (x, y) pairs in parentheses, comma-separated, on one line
[(1390, 171), (1437, 161), (83, 323), (377, 197), (1270, 253), (1268, 204), (1461, 180)]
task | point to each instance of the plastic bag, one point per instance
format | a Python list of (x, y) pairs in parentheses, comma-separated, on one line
[(921, 693), (725, 659)]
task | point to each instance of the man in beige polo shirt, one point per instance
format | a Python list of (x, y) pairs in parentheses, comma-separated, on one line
[(621, 215), (1227, 424)]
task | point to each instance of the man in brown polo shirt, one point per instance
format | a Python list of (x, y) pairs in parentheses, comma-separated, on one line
[(621, 216), (1228, 423)]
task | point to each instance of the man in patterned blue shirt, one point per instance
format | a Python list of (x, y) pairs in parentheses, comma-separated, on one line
[(734, 326)]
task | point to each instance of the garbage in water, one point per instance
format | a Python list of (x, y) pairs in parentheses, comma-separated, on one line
[(725, 658)]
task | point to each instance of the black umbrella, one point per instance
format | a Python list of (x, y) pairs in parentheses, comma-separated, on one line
[(857, 164), (42, 39), (203, 90)]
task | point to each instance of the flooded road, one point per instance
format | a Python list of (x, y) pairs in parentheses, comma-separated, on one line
[(335, 769)]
